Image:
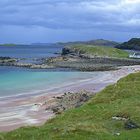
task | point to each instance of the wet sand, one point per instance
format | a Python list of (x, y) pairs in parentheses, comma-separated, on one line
[(31, 110)]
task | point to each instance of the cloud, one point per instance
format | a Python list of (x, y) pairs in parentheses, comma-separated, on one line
[(102, 15)]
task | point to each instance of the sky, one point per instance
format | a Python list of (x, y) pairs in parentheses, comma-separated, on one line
[(34, 21)]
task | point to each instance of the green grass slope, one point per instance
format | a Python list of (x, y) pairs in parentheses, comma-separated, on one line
[(93, 121), (100, 51)]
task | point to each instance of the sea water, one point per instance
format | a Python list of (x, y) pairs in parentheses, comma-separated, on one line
[(30, 51), (16, 81)]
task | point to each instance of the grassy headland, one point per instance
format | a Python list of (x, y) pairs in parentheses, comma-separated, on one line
[(100, 51), (92, 58), (113, 114)]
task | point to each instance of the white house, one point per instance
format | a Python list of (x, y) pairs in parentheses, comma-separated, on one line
[(135, 55)]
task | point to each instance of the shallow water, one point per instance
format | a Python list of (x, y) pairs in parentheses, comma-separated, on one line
[(14, 81)]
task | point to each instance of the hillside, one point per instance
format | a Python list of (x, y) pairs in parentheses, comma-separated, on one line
[(113, 114), (96, 51), (132, 44), (98, 42)]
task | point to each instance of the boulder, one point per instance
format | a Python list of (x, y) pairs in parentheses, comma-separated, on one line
[(131, 125)]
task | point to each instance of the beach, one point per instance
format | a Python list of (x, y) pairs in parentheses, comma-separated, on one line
[(31, 110)]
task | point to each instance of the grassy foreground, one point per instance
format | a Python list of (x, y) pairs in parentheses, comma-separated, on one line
[(93, 121), (101, 51)]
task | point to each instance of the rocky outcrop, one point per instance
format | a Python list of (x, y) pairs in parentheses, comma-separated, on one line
[(69, 51), (129, 125), (55, 59), (94, 64), (7, 60), (73, 62), (33, 66), (69, 100)]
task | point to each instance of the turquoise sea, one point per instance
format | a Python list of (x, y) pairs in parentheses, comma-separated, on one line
[(15, 81)]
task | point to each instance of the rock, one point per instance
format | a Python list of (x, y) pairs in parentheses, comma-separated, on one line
[(91, 64), (7, 60), (66, 51), (42, 66), (59, 97), (58, 110), (131, 125), (117, 134), (70, 100), (55, 59), (119, 118), (78, 105)]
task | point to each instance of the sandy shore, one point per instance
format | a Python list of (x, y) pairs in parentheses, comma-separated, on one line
[(21, 111)]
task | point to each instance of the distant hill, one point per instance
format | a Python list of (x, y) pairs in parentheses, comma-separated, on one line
[(13, 45), (8, 45), (98, 42), (132, 44), (41, 44)]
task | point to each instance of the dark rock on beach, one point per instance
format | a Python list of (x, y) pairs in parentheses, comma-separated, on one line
[(70, 100)]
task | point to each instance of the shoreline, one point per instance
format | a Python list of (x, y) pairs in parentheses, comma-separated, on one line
[(54, 88), (32, 109), (72, 62)]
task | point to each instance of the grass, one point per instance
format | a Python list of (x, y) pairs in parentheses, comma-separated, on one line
[(92, 121), (100, 51)]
